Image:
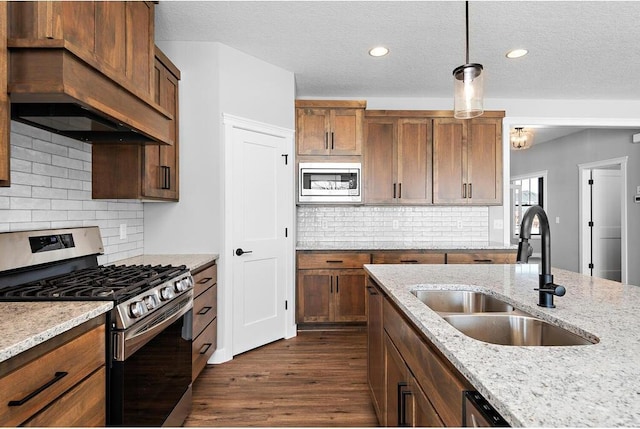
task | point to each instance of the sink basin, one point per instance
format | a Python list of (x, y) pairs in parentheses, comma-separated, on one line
[(513, 330), (461, 301)]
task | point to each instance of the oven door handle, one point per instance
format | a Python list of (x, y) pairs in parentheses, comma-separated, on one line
[(127, 343)]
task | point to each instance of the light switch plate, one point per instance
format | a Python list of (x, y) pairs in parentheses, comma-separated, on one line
[(123, 231)]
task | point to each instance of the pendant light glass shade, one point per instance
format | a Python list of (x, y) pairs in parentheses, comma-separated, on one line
[(468, 91), (468, 84), (520, 138)]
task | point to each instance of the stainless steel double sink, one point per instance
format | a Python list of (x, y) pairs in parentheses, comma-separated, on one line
[(487, 318)]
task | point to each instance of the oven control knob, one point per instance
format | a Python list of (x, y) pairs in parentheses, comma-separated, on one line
[(151, 302), (137, 309), (181, 285), (167, 293)]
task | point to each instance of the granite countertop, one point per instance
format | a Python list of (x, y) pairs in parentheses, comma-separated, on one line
[(402, 245), (27, 324), (192, 261), (594, 385)]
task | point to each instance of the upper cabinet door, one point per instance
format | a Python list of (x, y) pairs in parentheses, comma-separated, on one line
[(414, 161), (449, 161), (380, 161), (346, 132), (313, 131), (484, 169)]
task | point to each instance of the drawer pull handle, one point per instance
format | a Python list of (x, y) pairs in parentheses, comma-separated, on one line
[(371, 290), (409, 261), (205, 280), (205, 347), (204, 310), (486, 261), (57, 377), (334, 262)]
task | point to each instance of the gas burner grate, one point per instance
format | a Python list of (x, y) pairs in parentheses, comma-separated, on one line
[(113, 282)]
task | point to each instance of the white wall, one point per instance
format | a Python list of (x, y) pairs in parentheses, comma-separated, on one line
[(216, 80), (561, 158)]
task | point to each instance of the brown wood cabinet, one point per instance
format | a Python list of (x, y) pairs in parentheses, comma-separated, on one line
[(439, 383), (375, 348), (40, 386), (5, 105), (331, 287), (467, 161), (329, 127), (143, 172), (205, 321), (397, 160), (116, 38), (482, 257), (407, 404), (408, 257)]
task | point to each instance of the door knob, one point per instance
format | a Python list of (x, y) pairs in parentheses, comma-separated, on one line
[(241, 252)]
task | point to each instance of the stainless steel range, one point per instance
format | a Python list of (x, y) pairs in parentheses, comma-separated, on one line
[(149, 329)]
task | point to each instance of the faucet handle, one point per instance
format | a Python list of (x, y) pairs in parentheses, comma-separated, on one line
[(557, 290)]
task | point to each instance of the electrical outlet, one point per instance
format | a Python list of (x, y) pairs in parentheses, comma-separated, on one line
[(637, 190), (396, 224), (497, 224), (557, 219), (123, 231), (324, 224), (459, 224)]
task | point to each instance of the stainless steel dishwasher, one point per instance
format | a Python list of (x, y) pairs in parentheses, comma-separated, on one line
[(477, 412)]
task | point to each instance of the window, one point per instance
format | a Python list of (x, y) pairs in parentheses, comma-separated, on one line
[(526, 191)]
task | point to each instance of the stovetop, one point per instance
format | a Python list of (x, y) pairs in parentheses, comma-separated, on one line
[(109, 283)]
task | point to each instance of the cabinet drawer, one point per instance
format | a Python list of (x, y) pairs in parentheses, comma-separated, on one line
[(441, 382), (407, 258), (204, 279), (204, 309), (86, 400), (203, 347), (319, 260), (49, 376), (482, 258)]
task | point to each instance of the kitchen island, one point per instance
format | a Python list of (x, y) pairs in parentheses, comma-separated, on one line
[(577, 386)]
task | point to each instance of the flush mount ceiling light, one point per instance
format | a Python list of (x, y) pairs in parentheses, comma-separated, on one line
[(520, 138), (516, 53), (378, 51), (468, 85)]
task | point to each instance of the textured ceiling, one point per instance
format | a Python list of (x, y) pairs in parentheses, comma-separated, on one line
[(578, 50)]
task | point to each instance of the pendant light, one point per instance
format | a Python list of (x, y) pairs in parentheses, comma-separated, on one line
[(520, 138), (468, 85)]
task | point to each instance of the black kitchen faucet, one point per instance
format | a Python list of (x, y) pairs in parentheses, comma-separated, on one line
[(547, 289)]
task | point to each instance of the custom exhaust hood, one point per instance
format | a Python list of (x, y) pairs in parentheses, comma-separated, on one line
[(57, 91)]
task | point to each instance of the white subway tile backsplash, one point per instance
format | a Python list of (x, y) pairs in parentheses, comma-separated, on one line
[(388, 223), (51, 188)]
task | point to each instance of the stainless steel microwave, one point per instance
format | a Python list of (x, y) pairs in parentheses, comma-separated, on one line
[(329, 182)]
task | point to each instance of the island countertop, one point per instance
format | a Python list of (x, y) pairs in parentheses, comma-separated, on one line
[(26, 324), (596, 385)]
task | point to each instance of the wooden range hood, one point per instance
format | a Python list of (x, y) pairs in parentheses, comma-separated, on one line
[(86, 70)]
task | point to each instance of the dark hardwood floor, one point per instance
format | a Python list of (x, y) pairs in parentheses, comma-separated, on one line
[(317, 379)]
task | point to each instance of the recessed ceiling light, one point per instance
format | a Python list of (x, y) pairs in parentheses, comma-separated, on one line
[(378, 51), (517, 53)]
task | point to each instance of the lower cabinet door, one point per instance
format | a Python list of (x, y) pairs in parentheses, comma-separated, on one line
[(396, 382), (82, 406), (203, 347), (350, 303), (314, 294), (424, 415)]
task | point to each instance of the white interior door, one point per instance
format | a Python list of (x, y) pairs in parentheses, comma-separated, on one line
[(261, 201), (607, 224)]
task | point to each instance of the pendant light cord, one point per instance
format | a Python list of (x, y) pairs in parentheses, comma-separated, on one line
[(467, 27)]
